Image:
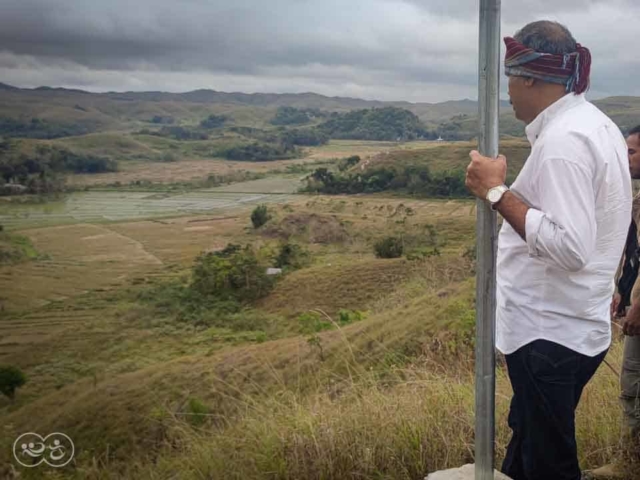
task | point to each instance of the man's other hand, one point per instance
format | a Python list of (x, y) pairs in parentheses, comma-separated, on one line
[(484, 173), (615, 303), (631, 325)]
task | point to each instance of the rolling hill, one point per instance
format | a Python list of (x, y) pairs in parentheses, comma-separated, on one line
[(122, 111), (127, 111)]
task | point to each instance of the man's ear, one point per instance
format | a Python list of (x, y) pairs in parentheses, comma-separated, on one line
[(530, 82)]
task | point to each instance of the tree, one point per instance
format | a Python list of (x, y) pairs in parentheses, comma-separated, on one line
[(260, 216), (235, 274), (11, 378)]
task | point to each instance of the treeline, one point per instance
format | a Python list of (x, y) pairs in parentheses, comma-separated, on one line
[(184, 133), (306, 137), (281, 144), (382, 124), (389, 124), (296, 116), (177, 133), (41, 129), (41, 171), (411, 179), (260, 152)]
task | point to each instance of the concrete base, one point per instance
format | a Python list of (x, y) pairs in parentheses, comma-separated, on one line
[(465, 473)]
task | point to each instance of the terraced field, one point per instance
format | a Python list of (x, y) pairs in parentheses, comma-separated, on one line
[(22, 332), (76, 259)]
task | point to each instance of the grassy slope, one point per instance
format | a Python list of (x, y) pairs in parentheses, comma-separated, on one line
[(450, 156), (72, 347), (120, 378), (15, 249), (276, 407)]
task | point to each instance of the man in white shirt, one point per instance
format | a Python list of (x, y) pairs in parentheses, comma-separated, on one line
[(566, 221)]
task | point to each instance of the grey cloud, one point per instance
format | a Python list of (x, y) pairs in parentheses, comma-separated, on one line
[(519, 11), (283, 45), (238, 38)]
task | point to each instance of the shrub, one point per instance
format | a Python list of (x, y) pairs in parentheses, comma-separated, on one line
[(196, 412), (260, 216), (213, 121), (389, 247), (11, 378), (347, 317), (168, 157), (158, 119), (292, 256), (347, 163), (312, 323)]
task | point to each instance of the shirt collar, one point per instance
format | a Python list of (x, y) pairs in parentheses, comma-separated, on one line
[(535, 128)]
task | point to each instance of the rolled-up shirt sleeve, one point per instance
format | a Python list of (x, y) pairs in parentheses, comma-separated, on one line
[(562, 230)]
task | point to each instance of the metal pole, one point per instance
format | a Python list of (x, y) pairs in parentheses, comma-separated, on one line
[(486, 234)]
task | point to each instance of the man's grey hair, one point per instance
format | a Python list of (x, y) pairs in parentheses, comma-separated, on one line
[(546, 36), (635, 131)]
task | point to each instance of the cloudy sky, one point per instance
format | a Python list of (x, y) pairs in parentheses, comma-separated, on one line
[(416, 50)]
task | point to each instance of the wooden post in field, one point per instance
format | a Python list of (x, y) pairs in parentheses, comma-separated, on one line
[(489, 103)]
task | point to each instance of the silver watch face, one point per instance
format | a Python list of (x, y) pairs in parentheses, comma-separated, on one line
[(494, 195)]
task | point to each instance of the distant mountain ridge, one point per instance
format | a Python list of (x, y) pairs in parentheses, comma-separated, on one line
[(428, 112)]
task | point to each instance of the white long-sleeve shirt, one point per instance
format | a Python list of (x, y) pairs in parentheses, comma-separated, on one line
[(558, 285)]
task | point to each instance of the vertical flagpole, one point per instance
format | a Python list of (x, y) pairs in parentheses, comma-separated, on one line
[(486, 234)]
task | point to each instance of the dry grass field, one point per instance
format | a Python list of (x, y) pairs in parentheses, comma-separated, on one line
[(188, 169)]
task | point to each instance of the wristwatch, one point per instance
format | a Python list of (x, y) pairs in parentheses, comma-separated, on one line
[(495, 194)]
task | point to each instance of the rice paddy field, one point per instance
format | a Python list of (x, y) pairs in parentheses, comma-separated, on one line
[(116, 206)]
